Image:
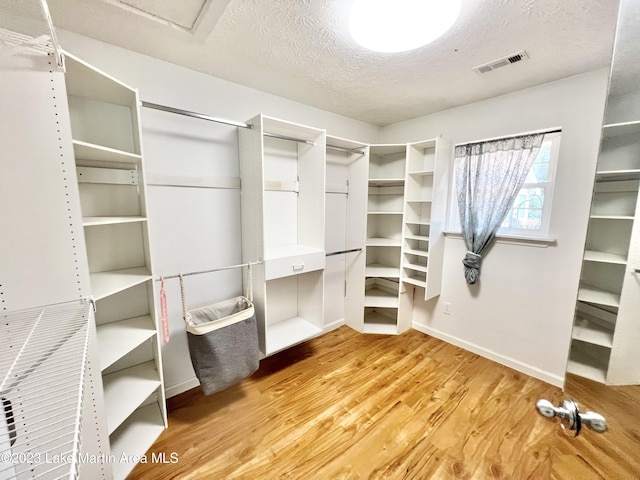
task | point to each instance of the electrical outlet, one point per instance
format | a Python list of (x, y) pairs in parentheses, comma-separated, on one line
[(447, 308)]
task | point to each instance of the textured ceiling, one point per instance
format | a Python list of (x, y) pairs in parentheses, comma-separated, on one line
[(301, 49)]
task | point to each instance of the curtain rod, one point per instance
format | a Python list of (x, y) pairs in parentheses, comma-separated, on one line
[(209, 271), (533, 132)]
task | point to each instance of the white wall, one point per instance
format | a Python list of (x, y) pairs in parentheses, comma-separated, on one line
[(521, 311)]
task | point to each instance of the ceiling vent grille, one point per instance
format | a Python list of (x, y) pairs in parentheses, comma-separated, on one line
[(502, 62)]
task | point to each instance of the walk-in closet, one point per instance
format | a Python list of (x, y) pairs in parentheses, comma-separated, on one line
[(248, 240)]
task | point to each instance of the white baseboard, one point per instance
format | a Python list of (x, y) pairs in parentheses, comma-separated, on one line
[(181, 387), (534, 372), (334, 325)]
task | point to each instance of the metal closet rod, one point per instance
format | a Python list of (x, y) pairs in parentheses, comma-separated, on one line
[(210, 270), (209, 118)]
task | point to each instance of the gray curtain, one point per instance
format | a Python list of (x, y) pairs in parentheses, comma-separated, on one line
[(489, 175)]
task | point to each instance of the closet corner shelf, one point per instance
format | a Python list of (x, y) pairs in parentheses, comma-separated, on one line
[(386, 182), (419, 200), (104, 284), (89, 151), (421, 173), (375, 297), (418, 282), (384, 242), (585, 370), (421, 238), (135, 436), (613, 175), (380, 270), (95, 221), (604, 257), (422, 223), (289, 332), (376, 323), (420, 253), (125, 390), (284, 251), (590, 332), (116, 339), (416, 267), (619, 129), (384, 213), (612, 217), (591, 294)]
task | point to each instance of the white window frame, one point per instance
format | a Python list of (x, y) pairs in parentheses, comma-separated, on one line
[(517, 233)]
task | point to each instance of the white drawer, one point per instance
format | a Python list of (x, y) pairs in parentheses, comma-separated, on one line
[(293, 265)]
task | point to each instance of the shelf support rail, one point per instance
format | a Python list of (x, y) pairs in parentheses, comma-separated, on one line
[(230, 267)]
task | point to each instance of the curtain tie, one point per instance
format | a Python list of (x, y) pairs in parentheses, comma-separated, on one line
[(471, 262)]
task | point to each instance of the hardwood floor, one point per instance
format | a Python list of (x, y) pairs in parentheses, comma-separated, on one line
[(352, 406)]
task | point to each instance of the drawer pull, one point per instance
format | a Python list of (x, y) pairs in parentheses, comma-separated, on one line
[(298, 266)]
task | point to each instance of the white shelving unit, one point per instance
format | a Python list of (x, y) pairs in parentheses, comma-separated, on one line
[(425, 215), (606, 330), (110, 174), (345, 232), (385, 205), (283, 215)]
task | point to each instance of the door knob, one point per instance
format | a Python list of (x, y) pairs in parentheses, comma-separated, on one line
[(568, 411)]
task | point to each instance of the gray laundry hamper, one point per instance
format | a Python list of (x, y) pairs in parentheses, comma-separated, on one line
[(223, 341)]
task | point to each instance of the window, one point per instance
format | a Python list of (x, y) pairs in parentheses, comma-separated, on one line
[(530, 214)]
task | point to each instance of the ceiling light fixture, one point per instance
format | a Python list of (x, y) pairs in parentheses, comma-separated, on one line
[(400, 25)]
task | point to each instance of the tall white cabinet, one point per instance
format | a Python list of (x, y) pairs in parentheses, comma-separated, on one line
[(109, 169), (282, 169)]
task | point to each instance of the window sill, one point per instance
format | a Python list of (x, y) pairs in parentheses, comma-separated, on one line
[(540, 242)]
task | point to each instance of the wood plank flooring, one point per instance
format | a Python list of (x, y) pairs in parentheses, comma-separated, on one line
[(353, 406)]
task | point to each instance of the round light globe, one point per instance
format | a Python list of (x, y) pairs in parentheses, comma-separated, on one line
[(400, 25)]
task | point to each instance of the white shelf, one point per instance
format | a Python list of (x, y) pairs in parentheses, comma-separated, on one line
[(418, 268), (419, 200), (379, 270), (116, 339), (422, 173), (612, 217), (611, 175), (420, 253), (585, 370), (89, 151), (289, 332), (604, 257), (95, 221), (619, 129), (134, 437), (590, 294), (588, 362), (379, 324), (126, 390), (384, 213), (421, 238), (375, 297), (104, 284), (384, 242), (415, 281), (418, 222), (386, 182), (591, 332)]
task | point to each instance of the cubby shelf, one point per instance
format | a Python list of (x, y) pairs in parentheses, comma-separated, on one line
[(125, 390), (604, 257), (134, 437), (116, 339), (413, 251), (377, 323), (384, 242), (376, 297), (590, 294), (289, 332), (380, 270), (416, 267), (590, 332), (96, 221), (104, 284)]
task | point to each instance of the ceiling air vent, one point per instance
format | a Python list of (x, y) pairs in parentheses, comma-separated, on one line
[(502, 62)]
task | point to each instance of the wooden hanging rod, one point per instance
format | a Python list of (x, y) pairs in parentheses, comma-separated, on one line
[(209, 271)]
